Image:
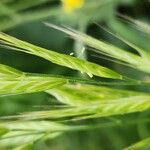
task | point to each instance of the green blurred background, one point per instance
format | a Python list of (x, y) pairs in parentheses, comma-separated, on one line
[(24, 20)]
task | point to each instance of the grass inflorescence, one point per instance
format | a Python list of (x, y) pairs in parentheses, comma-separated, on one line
[(81, 98)]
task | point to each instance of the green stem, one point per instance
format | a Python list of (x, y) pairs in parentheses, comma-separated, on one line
[(79, 46)]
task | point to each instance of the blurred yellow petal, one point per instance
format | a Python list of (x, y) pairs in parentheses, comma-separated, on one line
[(71, 5)]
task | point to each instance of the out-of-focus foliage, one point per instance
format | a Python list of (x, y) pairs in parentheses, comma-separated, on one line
[(14, 12)]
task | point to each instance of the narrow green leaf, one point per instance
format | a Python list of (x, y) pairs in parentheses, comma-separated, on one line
[(142, 145), (41, 126), (3, 131), (23, 147), (140, 25)]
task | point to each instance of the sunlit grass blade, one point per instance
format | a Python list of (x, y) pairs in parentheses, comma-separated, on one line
[(28, 85), (18, 140), (42, 126), (143, 144), (7, 72), (60, 59), (23, 147)]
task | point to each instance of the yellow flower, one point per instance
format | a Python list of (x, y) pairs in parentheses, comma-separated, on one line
[(71, 5)]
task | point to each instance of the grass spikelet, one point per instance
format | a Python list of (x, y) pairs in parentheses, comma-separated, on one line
[(15, 82), (6, 71), (82, 94), (60, 59), (22, 134), (102, 108)]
